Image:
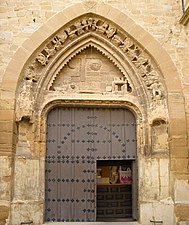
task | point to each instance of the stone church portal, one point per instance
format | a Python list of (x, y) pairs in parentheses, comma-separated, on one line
[(94, 112)]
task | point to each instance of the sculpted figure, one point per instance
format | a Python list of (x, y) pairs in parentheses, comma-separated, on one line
[(127, 43), (49, 52), (85, 24), (31, 74), (79, 28), (71, 33), (41, 58), (142, 62), (88, 24), (117, 40), (156, 90), (91, 24), (25, 100), (102, 28), (25, 93), (110, 32), (151, 79), (59, 40), (144, 66), (133, 54)]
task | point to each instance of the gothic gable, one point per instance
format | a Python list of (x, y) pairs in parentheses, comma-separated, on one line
[(58, 65)]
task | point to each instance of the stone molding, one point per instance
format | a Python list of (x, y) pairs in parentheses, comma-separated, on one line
[(185, 17)]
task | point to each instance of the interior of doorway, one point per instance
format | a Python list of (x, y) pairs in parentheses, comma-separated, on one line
[(115, 195)]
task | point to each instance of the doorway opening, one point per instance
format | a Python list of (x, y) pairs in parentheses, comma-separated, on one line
[(114, 191), (79, 140)]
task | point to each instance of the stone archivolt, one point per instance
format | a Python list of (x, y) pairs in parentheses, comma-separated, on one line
[(91, 25)]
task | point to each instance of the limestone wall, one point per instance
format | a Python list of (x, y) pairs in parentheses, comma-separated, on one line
[(19, 20)]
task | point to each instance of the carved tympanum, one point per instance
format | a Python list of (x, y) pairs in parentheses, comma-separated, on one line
[(91, 72)]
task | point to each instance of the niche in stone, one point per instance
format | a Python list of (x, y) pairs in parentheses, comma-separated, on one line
[(159, 136), (91, 72)]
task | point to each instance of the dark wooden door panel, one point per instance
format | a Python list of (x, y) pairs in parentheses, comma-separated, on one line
[(114, 204), (76, 138)]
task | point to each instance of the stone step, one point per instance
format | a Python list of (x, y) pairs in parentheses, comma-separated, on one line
[(93, 223)]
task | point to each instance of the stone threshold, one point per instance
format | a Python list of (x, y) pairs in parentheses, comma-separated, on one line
[(92, 223)]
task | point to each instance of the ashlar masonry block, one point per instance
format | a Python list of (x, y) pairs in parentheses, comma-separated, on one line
[(149, 178), (181, 191), (6, 115), (179, 165), (181, 211), (5, 178), (158, 211), (28, 179), (26, 211)]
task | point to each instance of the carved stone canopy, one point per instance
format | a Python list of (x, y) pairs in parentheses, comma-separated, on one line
[(92, 31)]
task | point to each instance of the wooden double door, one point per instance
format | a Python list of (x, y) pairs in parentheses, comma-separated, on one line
[(76, 139)]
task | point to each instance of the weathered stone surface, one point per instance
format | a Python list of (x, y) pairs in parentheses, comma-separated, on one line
[(181, 191), (23, 211), (90, 72), (179, 165), (154, 180), (158, 211), (6, 115), (29, 182), (5, 188), (4, 214), (181, 212), (5, 177), (184, 223)]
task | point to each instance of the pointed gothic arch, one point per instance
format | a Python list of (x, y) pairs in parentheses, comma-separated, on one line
[(90, 31), (24, 55), (138, 56)]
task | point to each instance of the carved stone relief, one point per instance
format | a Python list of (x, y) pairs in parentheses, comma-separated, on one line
[(30, 73), (95, 64), (91, 72), (76, 82)]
